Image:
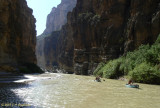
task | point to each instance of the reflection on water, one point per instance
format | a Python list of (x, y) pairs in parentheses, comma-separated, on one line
[(8, 98), (71, 91)]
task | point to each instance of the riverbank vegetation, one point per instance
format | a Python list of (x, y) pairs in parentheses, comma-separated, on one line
[(142, 65)]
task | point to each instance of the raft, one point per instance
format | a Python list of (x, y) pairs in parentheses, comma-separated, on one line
[(97, 80), (132, 85)]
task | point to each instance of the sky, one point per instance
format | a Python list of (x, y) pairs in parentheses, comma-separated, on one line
[(41, 8)]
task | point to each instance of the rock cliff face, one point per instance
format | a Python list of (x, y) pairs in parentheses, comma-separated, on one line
[(46, 49), (106, 29), (17, 34), (100, 30), (58, 16), (65, 48)]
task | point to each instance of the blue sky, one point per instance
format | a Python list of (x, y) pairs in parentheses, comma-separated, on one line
[(41, 8)]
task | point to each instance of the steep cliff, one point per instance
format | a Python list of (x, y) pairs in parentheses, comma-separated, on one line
[(58, 16), (105, 29), (17, 34), (101, 30), (46, 43), (46, 50), (65, 49)]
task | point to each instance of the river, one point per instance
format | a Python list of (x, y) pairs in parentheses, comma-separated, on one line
[(72, 91)]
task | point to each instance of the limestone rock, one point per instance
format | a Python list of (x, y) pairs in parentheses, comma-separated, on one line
[(47, 44), (58, 16), (100, 30), (17, 34), (106, 29)]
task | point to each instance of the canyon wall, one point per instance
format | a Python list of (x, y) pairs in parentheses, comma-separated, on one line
[(106, 29), (46, 43), (101, 30), (17, 34), (58, 16)]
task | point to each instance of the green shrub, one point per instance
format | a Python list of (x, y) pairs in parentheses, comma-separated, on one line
[(142, 65), (111, 69), (158, 40), (85, 16), (89, 17), (125, 67), (95, 20), (145, 73), (97, 71), (135, 58), (154, 54)]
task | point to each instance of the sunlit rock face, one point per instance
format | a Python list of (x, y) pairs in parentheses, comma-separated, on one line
[(17, 34), (46, 43), (58, 16), (101, 30), (106, 29)]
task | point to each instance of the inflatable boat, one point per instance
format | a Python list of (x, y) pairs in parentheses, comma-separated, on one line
[(97, 80), (132, 85)]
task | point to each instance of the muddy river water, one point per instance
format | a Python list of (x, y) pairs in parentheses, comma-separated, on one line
[(72, 91)]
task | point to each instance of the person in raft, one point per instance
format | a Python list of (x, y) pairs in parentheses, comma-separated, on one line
[(98, 78), (130, 82)]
